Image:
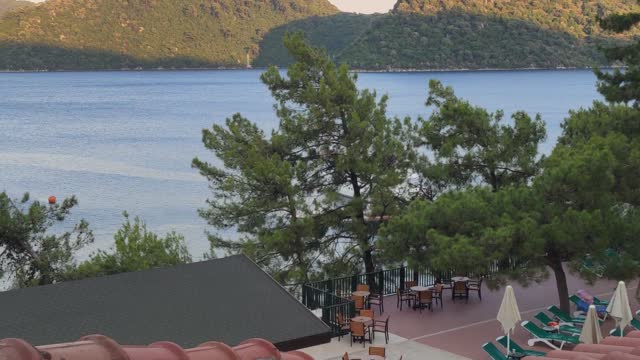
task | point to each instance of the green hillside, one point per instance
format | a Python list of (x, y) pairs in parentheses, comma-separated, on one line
[(417, 34), (474, 34), (109, 34), (6, 5), (334, 33), (575, 17)]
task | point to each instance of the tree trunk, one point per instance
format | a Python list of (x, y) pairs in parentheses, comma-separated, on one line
[(561, 284), (368, 261)]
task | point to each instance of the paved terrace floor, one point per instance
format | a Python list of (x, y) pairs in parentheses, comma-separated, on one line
[(461, 328)]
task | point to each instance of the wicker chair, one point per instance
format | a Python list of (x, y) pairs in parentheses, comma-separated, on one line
[(437, 294), (367, 313), (476, 285), (377, 300), (362, 287), (376, 350), (407, 287), (358, 301), (359, 332), (425, 298), (403, 296), (460, 290), (446, 284), (381, 327), (343, 324)]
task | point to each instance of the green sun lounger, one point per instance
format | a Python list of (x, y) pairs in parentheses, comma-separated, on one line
[(502, 340), (548, 338), (635, 323), (545, 320), (563, 316), (597, 301), (493, 352)]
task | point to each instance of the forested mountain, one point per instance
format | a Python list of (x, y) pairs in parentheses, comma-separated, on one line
[(6, 5), (575, 17), (108, 34), (334, 33), (417, 34), (487, 34)]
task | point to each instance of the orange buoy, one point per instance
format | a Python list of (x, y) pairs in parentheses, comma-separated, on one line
[(52, 199)]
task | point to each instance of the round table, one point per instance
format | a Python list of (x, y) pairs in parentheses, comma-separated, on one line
[(459, 279), (372, 357), (361, 293), (362, 319), (421, 288)]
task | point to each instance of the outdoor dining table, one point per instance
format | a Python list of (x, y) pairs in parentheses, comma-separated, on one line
[(372, 357), (460, 279), (362, 319), (361, 293), (421, 288)]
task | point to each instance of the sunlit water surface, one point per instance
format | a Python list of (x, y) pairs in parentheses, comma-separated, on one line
[(125, 140)]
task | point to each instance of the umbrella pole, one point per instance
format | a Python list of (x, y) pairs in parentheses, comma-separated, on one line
[(508, 342)]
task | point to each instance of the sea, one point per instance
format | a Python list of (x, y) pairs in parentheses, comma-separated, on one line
[(124, 141)]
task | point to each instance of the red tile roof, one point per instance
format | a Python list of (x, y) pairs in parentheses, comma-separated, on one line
[(98, 347), (611, 348)]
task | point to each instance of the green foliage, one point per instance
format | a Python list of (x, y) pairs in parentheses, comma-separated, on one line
[(478, 34), (418, 34), (334, 33), (144, 33), (135, 249), (472, 146), (582, 205), (8, 5), (449, 233), (304, 197), (28, 253), (461, 40), (575, 17), (621, 86)]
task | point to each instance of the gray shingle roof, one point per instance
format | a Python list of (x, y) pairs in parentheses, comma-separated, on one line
[(228, 300)]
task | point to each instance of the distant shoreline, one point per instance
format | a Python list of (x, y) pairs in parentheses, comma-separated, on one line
[(400, 70)]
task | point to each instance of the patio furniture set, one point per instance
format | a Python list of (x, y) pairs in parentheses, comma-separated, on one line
[(425, 296), (364, 326)]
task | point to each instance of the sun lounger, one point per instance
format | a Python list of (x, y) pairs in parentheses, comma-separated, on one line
[(583, 306), (615, 332), (502, 340), (493, 352), (564, 327), (563, 316), (548, 338), (590, 299)]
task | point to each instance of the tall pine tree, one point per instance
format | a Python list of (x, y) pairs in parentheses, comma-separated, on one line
[(306, 199)]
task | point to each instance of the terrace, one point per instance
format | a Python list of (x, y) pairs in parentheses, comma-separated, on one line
[(456, 330)]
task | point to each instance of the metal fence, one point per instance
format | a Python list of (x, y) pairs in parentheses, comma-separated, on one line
[(333, 296)]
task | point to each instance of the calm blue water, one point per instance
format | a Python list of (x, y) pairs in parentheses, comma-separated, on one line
[(125, 140)]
